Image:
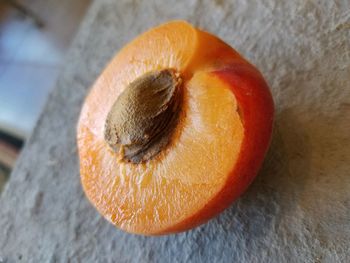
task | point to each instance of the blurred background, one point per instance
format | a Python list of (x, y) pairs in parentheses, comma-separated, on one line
[(34, 38)]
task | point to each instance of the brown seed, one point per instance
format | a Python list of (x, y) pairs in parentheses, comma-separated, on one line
[(142, 119)]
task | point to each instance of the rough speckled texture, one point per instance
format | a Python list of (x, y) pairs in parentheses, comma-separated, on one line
[(298, 208)]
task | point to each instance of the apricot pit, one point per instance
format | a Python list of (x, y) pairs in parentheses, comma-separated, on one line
[(142, 119)]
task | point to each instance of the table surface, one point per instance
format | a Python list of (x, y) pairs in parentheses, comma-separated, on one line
[(297, 209)]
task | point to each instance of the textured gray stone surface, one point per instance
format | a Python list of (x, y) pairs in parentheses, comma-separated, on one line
[(298, 208)]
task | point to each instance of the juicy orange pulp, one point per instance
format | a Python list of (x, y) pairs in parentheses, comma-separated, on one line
[(169, 192)]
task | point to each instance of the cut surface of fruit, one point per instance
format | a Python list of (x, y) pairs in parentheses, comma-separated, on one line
[(211, 157)]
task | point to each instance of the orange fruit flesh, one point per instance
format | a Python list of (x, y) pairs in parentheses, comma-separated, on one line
[(155, 196)]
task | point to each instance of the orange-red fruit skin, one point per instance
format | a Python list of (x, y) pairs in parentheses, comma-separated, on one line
[(257, 113)]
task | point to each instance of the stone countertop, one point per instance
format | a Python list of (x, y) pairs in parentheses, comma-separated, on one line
[(297, 209)]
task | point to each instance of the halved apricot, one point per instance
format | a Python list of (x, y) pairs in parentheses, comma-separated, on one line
[(174, 129)]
